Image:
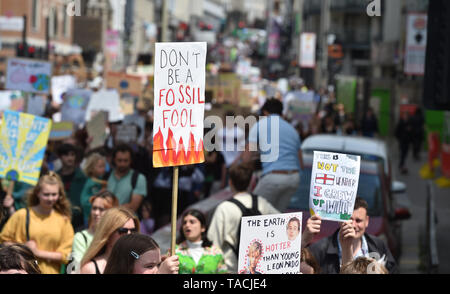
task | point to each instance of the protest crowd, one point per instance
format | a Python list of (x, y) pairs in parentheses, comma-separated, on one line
[(99, 199)]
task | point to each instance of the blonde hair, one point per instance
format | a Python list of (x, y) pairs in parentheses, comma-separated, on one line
[(363, 265), (113, 219), (62, 205), (91, 161)]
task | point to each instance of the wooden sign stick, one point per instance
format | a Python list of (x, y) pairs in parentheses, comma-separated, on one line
[(174, 209)]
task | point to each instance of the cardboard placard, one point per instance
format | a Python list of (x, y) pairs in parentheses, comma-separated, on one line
[(61, 130), (96, 129), (124, 84)]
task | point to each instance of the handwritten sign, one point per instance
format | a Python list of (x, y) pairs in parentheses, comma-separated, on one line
[(28, 75), (179, 103), (23, 139), (270, 244), (334, 184)]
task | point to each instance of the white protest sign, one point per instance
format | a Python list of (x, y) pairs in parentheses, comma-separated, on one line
[(334, 185), (179, 104), (60, 85), (270, 244), (28, 75), (105, 100)]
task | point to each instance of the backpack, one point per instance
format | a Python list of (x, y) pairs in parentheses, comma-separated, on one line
[(245, 212)]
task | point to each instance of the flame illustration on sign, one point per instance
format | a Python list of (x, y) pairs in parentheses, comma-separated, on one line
[(170, 157)]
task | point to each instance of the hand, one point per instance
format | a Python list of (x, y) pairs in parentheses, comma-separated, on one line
[(312, 229), (347, 234), (33, 247), (169, 265)]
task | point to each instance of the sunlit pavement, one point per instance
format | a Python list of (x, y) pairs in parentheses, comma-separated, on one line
[(413, 229)]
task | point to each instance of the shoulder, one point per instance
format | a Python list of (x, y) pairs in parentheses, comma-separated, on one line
[(376, 242)]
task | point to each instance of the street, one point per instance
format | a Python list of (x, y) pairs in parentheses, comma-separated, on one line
[(413, 229)]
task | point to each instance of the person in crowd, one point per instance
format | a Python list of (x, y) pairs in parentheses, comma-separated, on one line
[(369, 124), (100, 203), (129, 186), (340, 118), (215, 172), (364, 265), (418, 130), (281, 161), (115, 223), (18, 259), (161, 198), (227, 216), (196, 253), (147, 221), (308, 264), (139, 254), (404, 134), (44, 226), (231, 139), (330, 254), (18, 199), (95, 170), (74, 181), (328, 126)]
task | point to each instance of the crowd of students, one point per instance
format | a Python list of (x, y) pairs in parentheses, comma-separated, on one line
[(93, 211)]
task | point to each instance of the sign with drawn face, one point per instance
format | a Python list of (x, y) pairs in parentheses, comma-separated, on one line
[(179, 103), (28, 75), (270, 244), (334, 184)]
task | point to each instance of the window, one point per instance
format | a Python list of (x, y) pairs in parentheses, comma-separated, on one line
[(35, 15), (66, 22), (53, 22)]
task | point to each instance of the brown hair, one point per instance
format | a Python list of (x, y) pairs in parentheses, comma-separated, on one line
[(18, 257), (307, 257), (241, 175), (62, 205), (126, 251), (360, 202), (363, 265)]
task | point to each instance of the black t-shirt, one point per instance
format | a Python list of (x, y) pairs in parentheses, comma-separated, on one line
[(214, 169), (67, 181)]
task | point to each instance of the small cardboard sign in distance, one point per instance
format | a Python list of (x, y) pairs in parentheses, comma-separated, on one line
[(179, 103), (270, 244), (334, 185)]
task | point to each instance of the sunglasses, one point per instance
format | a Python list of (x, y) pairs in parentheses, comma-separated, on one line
[(123, 231)]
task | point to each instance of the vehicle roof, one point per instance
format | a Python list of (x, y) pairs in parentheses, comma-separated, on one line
[(346, 144)]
